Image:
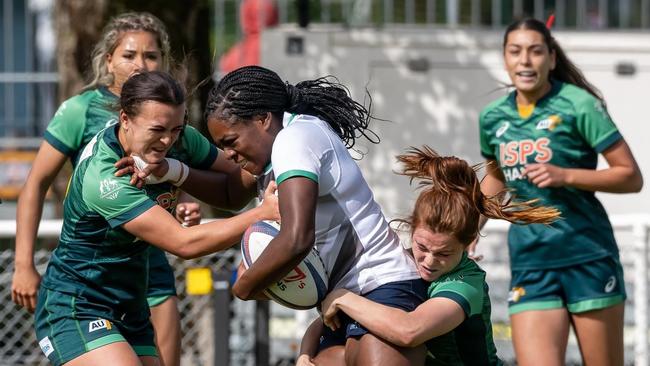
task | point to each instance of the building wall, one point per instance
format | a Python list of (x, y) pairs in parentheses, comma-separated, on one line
[(430, 84)]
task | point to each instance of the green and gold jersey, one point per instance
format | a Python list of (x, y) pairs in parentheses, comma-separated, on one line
[(471, 342), (79, 118), (96, 258), (567, 128)]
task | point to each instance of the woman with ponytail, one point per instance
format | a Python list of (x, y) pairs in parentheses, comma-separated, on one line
[(300, 134), (454, 322), (542, 141)]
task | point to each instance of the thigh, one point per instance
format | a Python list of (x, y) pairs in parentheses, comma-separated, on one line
[(331, 356), (371, 350), (162, 283), (600, 335), (114, 354), (593, 285), (67, 329), (533, 290), (167, 329), (540, 336), (150, 361)]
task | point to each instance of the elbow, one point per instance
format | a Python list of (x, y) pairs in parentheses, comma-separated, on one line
[(184, 253), (408, 338), (634, 181), (408, 335), (184, 250), (301, 243), (638, 182), (186, 256)]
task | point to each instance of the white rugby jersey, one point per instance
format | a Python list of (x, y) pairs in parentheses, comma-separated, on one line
[(359, 249)]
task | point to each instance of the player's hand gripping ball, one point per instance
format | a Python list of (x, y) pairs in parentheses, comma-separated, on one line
[(302, 288)]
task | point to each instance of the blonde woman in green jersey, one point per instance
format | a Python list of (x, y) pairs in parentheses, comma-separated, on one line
[(130, 43), (543, 141)]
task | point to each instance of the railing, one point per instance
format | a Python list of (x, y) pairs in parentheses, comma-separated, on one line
[(632, 233)]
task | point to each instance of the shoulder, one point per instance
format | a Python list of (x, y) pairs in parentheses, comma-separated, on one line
[(192, 136), (579, 98), (101, 189), (494, 109), (74, 105), (305, 130), (465, 286)]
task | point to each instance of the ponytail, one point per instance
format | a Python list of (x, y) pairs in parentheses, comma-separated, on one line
[(253, 90), (451, 200)]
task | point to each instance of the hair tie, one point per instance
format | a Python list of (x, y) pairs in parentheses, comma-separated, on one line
[(550, 21), (294, 99)]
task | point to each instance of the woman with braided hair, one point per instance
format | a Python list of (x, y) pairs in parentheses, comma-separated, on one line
[(300, 135), (454, 322)]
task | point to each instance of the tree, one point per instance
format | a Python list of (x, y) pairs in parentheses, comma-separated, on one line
[(79, 24)]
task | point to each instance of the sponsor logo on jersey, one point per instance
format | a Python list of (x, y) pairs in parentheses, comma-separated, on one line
[(598, 106), (59, 112), (610, 285), (88, 150), (108, 189), (516, 294), (46, 346), (549, 123), (110, 122), (514, 155), (504, 127), (99, 324), (168, 200)]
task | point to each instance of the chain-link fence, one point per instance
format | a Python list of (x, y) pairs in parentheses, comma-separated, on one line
[(200, 346), (18, 345)]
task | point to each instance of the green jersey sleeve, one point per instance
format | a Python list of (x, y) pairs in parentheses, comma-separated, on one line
[(486, 149), (65, 131), (112, 197), (595, 125), (200, 152), (468, 296)]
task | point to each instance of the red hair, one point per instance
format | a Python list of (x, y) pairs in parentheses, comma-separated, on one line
[(451, 200)]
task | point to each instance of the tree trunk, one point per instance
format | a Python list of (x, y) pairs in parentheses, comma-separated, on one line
[(78, 25)]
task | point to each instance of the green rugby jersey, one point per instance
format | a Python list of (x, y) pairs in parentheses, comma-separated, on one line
[(79, 118), (471, 342), (96, 258), (567, 128)]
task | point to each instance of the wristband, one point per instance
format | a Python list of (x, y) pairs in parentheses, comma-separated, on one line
[(182, 169), (177, 172)]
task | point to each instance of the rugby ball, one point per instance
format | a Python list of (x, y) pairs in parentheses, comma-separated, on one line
[(302, 288)]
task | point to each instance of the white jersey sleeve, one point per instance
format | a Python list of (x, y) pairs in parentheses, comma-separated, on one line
[(305, 150), (358, 248)]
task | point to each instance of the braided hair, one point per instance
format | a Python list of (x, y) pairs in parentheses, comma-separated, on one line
[(451, 200), (252, 91)]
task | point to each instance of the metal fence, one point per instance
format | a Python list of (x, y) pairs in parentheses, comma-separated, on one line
[(18, 345)]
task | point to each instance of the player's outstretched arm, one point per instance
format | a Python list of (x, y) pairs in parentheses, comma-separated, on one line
[(161, 229), (225, 185), (622, 176), (297, 197), (432, 318), (46, 166)]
